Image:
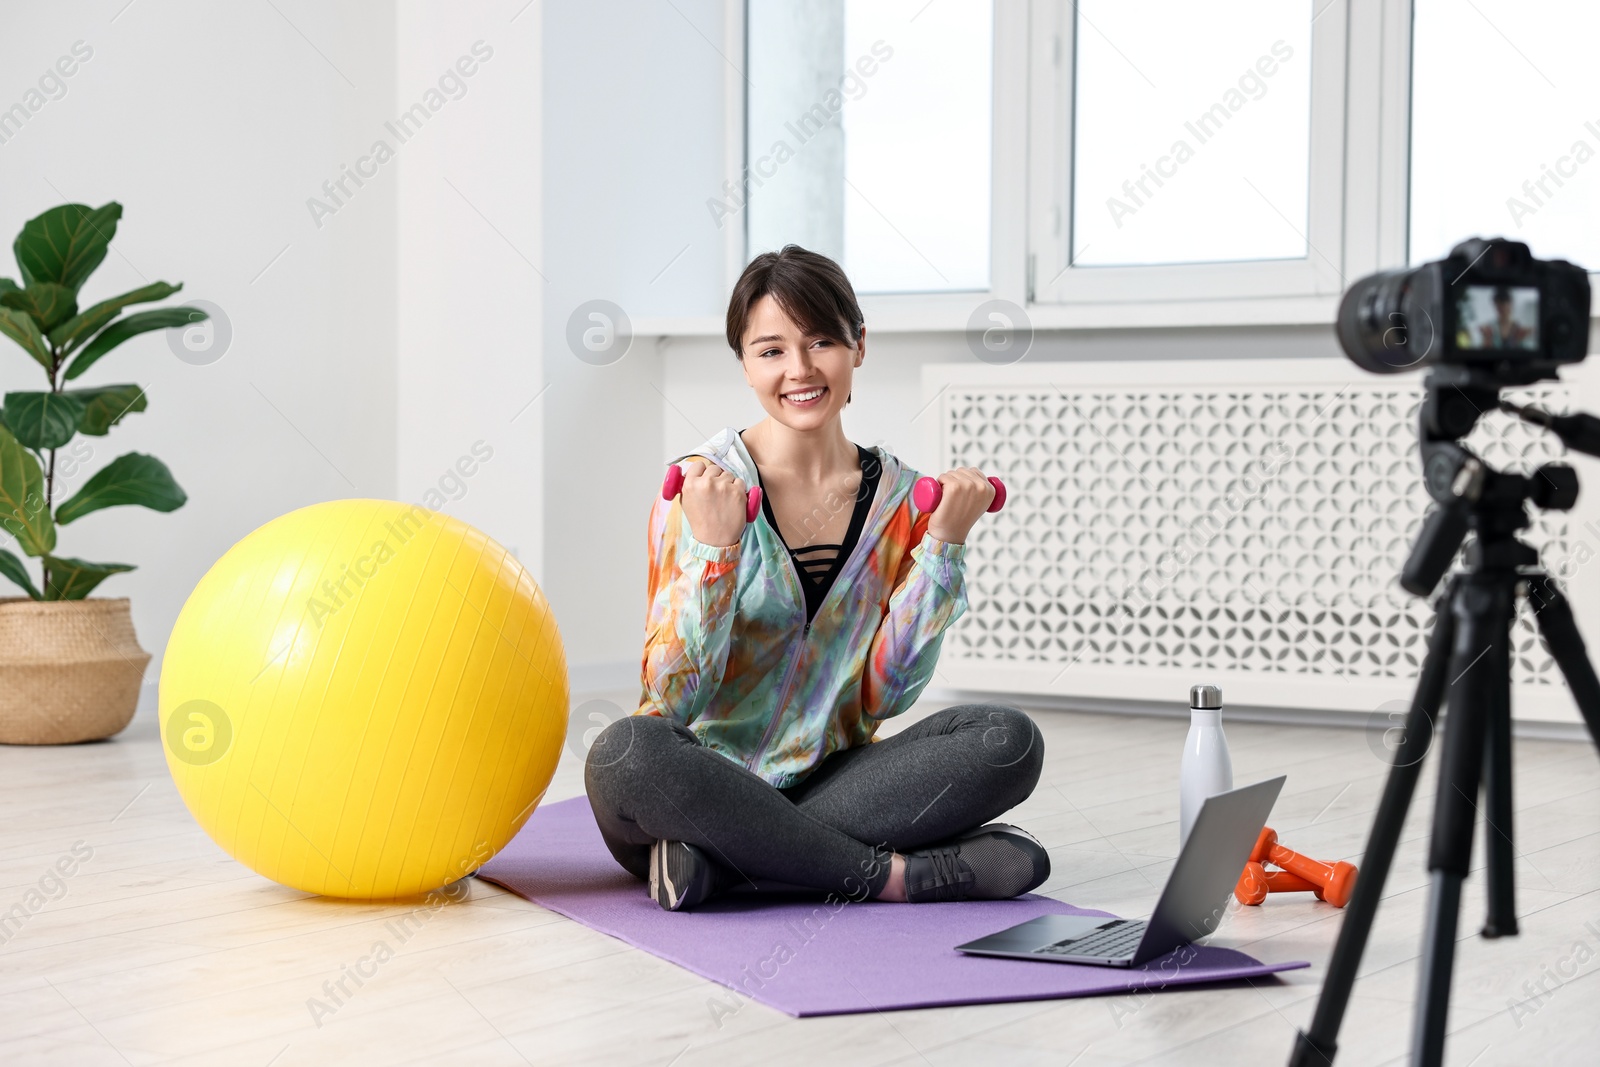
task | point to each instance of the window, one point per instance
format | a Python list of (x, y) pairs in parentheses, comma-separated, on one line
[(868, 138), (1192, 145), (1186, 153), (1504, 129), (1103, 163)]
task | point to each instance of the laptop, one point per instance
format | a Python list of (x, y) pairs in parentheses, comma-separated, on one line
[(1190, 907)]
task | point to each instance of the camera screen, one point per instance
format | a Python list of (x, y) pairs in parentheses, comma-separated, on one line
[(1497, 316)]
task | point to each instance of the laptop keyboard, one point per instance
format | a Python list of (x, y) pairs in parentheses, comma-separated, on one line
[(1116, 939)]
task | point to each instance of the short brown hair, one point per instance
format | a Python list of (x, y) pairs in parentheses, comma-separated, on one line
[(811, 288)]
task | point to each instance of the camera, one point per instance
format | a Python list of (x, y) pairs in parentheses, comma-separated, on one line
[(1488, 304), (1487, 317)]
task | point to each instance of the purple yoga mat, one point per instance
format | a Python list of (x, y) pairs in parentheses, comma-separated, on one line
[(805, 956)]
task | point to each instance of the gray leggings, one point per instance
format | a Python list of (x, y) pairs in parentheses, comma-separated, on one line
[(649, 778)]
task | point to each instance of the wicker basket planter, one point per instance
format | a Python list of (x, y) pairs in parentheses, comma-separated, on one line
[(70, 670)]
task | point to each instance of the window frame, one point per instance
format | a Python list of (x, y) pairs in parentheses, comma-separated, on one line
[(1308, 288), (1058, 281), (1358, 208)]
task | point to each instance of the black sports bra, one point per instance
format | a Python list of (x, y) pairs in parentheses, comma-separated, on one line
[(819, 565)]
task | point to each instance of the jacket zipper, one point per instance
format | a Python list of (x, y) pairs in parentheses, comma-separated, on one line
[(788, 678), (766, 735)]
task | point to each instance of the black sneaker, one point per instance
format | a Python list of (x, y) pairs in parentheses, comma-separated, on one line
[(682, 875), (993, 862)]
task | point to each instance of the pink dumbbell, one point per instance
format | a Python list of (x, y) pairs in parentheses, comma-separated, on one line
[(672, 485), (928, 492)]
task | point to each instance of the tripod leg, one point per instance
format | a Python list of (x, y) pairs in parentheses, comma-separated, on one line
[(1437, 962), (1315, 1047), (1497, 831), (1483, 608), (1560, 631)]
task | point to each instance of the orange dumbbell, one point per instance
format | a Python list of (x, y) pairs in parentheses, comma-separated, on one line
[(1261, 854), (1335, 882), (1264, 842), (1256, 882), (1338, 880)]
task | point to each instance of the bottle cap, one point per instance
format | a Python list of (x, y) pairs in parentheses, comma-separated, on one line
[(1206, 697)]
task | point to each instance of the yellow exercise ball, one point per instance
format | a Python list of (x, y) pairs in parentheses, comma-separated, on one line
[(364, 699)]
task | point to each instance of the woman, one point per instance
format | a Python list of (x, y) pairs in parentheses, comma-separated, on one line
[(774, 649)]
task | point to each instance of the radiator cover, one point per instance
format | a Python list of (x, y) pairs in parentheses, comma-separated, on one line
[(1238, 522)]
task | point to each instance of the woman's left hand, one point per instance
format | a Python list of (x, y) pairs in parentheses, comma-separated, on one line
[(967, 494)]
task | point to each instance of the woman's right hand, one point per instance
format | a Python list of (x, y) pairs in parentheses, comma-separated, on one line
[(714, 502), (965, 495)]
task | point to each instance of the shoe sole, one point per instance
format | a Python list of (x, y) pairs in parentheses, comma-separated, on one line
[(673, 866), (662, 888)]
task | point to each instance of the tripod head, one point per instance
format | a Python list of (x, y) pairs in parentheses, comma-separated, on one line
[(1471, 495)]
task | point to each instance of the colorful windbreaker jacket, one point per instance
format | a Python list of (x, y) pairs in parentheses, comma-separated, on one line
[(728, 651)]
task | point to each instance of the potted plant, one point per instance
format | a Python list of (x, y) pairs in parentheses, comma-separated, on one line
[(70, 667)]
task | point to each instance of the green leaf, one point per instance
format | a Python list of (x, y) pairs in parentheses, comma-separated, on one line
[(49, 304), (20, 327), (133, 325), (74, 579), (9, 286), (43, 420), (104, 406), (12, 568), (76, 330), (65, 244), (131, 479), (22, 506)]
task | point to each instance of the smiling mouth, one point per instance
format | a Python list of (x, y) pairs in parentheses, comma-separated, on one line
[(806, 397)]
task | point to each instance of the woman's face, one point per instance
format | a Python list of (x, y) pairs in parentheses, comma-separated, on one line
[(786, 367)]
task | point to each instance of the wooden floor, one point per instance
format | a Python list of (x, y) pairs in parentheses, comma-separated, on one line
[(161, 949)]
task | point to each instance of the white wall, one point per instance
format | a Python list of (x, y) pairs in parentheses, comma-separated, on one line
[(575, 167), (373, 351), (212, 124), (471, 295), (633, 148)]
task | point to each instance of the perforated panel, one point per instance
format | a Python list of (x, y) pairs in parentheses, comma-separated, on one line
[(1245, 527)]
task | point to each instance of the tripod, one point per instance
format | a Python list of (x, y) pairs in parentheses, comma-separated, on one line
[(1468, 659)]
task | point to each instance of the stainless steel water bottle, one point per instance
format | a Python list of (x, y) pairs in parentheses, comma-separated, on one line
[(1206, 767)]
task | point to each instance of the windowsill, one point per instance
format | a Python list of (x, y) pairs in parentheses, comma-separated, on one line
[(951, 312)]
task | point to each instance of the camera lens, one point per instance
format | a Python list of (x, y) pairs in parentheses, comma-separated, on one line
[(1375, 326)]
